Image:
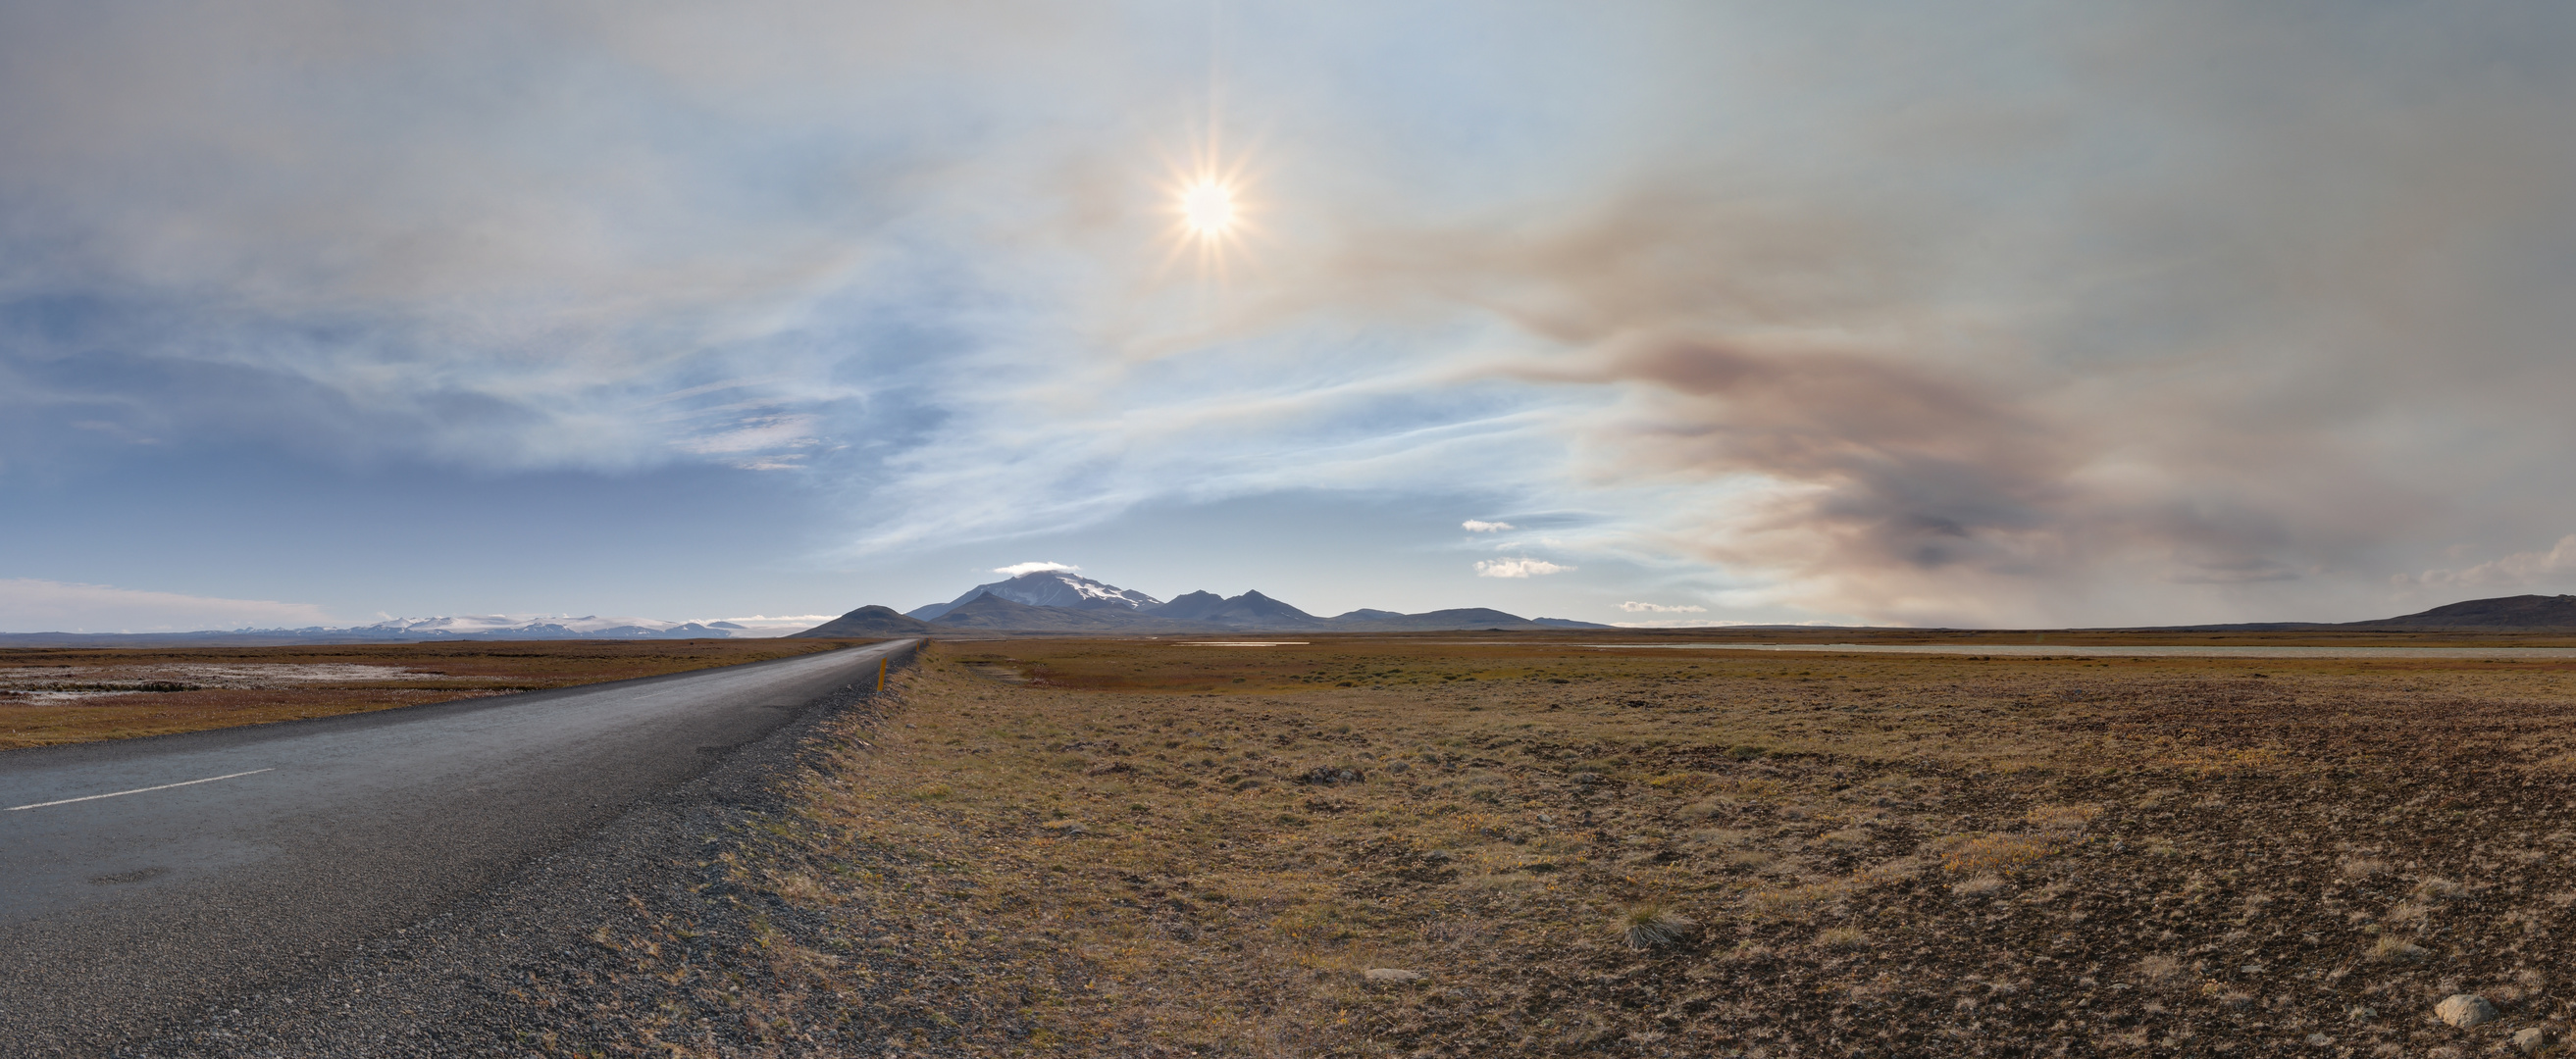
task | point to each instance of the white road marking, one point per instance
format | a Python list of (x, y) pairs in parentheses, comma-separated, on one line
[(140, 790)]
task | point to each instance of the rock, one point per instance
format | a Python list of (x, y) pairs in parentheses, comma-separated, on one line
[(2465, 1010), (1391, 976), (1327, 775), (2530, 1040)]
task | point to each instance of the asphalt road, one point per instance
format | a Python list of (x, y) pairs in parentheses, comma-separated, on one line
[(144, 880)]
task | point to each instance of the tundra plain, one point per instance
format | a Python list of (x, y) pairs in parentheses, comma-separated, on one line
[(1465, 846), (50, 696)]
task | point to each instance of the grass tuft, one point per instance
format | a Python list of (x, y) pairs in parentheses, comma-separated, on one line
[(1652, 926)]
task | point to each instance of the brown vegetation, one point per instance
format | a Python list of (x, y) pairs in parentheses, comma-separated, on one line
[(1482, 849), (81, 695)]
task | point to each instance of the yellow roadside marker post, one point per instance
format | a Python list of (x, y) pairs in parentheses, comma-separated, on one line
[(881, 675)]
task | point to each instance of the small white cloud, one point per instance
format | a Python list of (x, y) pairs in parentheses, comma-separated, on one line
[(1016, 569), (1658, 608), (1481, 526), (1517, 568)]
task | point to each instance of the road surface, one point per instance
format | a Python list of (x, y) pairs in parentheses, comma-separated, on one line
[(143, 880)]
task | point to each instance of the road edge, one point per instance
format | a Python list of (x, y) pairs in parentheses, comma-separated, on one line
[(494, 974)]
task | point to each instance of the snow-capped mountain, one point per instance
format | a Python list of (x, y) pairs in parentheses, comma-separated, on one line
[(1048, 588), (1060, 601)]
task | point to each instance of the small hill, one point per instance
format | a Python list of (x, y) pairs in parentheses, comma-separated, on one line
[(1251, 610), (2501, 614), (1254, 610), (867, 621), (1191, 607)]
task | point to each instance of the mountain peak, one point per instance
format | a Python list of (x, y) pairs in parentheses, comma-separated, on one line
[(1047, 588)]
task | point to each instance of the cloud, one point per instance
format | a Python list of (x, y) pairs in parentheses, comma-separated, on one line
[(1659, 608), (1517, 568), (2193, 387), (2132, 312), (1016, 569), (31, 605), (762, 625), (1481, 526), (2518, 570)]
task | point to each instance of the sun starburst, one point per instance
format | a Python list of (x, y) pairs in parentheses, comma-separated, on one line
[(1214, 215)]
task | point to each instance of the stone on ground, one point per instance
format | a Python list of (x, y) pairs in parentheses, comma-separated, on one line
[(2465, 1010)]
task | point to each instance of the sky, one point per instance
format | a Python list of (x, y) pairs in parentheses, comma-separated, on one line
[(1980, 314)]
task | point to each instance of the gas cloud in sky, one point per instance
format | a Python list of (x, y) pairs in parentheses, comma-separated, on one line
[(2136, 312)]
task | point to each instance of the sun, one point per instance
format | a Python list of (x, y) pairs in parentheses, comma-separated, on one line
[(1207, 208), (1216, 208)]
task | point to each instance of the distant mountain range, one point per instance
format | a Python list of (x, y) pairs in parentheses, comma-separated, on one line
[(1057, 601), (401, 630), (1060, 601)]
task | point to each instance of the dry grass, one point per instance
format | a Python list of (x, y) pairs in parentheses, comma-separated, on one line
[(182, 696), (1131, 853), (1653, 925)]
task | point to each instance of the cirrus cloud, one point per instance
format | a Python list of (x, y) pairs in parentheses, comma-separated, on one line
[(1634, 607)]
